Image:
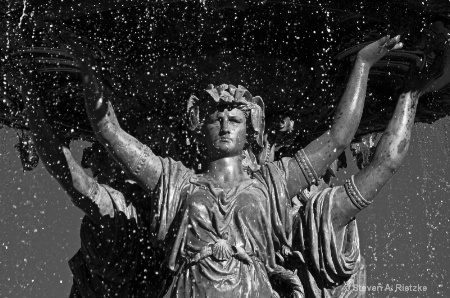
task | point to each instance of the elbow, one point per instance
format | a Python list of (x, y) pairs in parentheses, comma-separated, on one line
[(342, 132), (341, 141), (392, 166), (392, 158), (341, 136)]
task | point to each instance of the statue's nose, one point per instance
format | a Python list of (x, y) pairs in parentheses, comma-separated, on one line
[(225, 125)]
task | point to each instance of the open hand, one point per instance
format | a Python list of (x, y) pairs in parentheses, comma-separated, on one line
[(373, 52)]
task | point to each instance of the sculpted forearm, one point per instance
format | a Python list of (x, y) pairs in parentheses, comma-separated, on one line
[(391, 149), (389, 154), (349, 111), (96, 101), (323, 151)]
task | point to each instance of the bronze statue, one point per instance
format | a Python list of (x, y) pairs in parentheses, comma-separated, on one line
[(223, 230)]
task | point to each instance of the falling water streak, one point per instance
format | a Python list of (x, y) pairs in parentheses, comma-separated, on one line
[(23, 13), (8, 37)]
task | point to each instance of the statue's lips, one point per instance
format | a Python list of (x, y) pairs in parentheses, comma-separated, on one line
[(225, 139)]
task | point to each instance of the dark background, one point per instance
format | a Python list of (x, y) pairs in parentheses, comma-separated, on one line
[(404, 234)]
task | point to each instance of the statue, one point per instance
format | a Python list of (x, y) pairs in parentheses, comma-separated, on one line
[(220, 231)]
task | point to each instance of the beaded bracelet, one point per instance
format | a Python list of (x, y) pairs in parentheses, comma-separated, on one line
[(354, 194), (141, 160), (306, 167)]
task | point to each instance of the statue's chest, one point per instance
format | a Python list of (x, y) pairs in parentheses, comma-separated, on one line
[(221, 211)]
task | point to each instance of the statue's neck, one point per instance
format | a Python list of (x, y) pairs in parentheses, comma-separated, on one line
[(226, 172)]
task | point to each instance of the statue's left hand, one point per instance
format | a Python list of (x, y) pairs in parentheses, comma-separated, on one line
[(373, 52)]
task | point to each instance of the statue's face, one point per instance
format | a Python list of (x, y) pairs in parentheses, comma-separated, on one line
[(225, 132)]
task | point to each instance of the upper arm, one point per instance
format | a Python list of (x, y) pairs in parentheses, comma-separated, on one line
[(323, 151), (136, 159), (368, 183), (309, 164), (300, 174), (342, 210)]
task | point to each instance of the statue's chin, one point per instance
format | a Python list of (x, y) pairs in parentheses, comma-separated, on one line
[(224, 151)]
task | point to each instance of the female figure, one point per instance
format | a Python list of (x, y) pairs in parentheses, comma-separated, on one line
[(222, 229)]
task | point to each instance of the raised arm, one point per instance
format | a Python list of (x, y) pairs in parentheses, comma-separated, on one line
[(56, 155), (389, 154), (137, 160), (324, 150), (391, 150)]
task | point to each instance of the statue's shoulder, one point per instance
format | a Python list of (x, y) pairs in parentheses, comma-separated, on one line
[(268, 173)]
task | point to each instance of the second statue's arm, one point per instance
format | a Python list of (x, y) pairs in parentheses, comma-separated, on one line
[(326, 149), (56, 155), (360, 191), (137, 160)]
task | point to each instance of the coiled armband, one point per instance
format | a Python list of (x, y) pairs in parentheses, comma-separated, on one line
[(354, 194), (141, 161), (306, 167)]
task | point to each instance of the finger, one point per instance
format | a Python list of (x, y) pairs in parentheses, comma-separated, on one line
[(397, 46), (392, 42)]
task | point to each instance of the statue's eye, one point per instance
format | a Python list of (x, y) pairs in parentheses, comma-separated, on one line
[(235, 119)]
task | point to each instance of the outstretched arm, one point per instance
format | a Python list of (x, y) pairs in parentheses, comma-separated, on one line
[(324, 150), (56, 155), (136, 159)]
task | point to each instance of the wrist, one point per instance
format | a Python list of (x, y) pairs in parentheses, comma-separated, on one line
[(360, 61)]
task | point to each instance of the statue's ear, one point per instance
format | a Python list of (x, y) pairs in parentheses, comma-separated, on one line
[(193, 111), (258, 119)]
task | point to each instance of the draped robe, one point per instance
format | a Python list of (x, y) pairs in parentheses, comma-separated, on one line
[(223, 243)]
